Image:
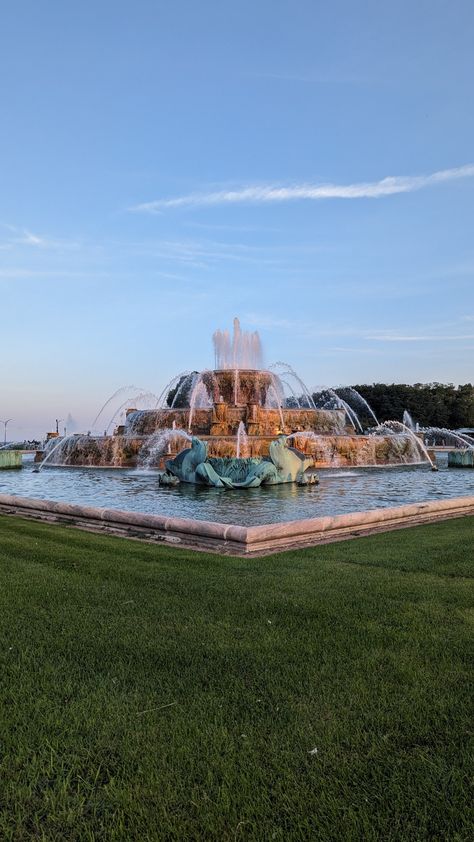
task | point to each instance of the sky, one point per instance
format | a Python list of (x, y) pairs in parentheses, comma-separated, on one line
[(306, 166)]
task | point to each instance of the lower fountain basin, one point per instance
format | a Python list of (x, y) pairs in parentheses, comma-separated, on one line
[(340, 491)]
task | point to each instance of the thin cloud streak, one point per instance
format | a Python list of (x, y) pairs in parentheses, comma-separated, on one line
[(24, 237), (271, 193)]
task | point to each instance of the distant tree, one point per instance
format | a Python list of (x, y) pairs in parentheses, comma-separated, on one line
[(462, 410), (431, 404)]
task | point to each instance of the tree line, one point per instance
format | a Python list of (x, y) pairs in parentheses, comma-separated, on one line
[(431, 404)]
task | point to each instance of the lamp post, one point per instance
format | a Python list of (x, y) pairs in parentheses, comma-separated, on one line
[(58, 421), (5, 428)]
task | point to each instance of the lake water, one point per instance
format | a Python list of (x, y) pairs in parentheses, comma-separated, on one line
[(340, 491)]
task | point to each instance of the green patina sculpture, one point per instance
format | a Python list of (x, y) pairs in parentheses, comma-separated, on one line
[(284, 464)]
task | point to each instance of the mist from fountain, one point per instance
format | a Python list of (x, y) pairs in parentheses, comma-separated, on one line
[(243, 350)]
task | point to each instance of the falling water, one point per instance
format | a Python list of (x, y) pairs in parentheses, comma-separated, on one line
[(292, 396), (329, 399), (326, 448), (408, 420), (242, 441), (277, 389), (185, 383), (397, 428), (61, 448), (157, 446), (236, 386), (123, 389), (198, 397), (164, 394), (351, 393), (289, 370), (144, 397), (458, 439)]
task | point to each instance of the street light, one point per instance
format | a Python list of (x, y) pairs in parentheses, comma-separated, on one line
[(5, 427)]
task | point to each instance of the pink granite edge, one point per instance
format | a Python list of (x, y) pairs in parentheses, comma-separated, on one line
[(248, 536), (205, 528), (354, 520)]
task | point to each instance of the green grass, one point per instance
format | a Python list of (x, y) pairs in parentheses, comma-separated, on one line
[(149, 693)]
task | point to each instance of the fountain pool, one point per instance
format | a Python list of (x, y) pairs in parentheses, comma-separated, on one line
[(340, 491)]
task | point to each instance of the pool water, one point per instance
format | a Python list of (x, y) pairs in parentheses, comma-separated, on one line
[(340, 491)]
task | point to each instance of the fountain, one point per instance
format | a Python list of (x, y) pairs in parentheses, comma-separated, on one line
[(242, 445), (237, 411), (408, 421)]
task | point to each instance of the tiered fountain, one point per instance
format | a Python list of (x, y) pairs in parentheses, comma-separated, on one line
[(240, 408)]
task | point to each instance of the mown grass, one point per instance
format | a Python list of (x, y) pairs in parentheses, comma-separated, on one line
[(149, 693)]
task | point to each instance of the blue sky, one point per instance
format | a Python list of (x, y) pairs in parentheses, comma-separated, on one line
[(167, 166)]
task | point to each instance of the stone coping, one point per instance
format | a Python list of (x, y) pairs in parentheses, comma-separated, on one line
[(232, 539)]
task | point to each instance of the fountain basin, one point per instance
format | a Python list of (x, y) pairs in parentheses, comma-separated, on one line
[(234, 539)]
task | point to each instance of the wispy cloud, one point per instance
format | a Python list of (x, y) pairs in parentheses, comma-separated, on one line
[(388, 186), (24, 237)]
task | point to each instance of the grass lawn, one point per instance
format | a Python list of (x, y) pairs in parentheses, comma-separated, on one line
[(150, 693)]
